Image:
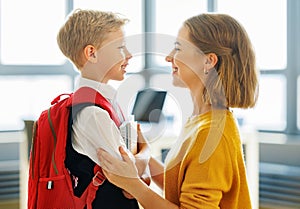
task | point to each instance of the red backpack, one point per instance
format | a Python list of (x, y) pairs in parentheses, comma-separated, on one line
[(49, 182)]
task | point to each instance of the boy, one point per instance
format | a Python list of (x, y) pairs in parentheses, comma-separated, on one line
[(94, 42)]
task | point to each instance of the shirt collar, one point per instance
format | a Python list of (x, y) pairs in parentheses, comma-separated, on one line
[(105, 89)]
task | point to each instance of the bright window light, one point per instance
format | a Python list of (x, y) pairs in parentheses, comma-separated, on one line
[(28, 32)]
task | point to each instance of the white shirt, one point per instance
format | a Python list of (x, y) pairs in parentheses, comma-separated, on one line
[(93, 128)]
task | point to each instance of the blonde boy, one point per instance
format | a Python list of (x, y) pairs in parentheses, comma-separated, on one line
[(94, 43)]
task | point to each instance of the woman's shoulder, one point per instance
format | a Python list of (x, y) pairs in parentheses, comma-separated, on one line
[(213, 138)]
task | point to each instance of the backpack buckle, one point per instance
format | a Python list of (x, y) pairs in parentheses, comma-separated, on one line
[(98, 179), (50, 185)]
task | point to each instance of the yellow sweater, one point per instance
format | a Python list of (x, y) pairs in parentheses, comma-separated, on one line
[(206, 168)]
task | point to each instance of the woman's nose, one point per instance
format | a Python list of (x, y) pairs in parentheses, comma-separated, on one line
[(169, 58)]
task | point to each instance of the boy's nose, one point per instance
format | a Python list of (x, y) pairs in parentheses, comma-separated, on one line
[(128, 55)]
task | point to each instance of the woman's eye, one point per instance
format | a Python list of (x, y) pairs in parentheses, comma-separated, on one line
[(176, 46)]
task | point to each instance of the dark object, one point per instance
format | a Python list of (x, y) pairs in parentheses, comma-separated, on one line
[(148, 105)]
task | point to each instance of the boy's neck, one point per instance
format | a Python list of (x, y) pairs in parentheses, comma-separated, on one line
[(90, 77)]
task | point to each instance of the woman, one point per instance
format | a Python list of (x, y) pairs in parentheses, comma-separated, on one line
[(214, 59)]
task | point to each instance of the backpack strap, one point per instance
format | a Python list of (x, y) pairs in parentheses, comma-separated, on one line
[(89, 95), (54, 101), (54, 142), (91, 190), (82, 98), (80, 166), (32, 154), (99, 177)]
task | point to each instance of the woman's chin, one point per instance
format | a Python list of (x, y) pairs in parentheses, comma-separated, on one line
[(178, 82)]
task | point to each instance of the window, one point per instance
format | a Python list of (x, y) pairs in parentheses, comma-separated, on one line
[(267, 30), (270, 110), (28, 32), (25, 97), (28, 49), (169, 18), (269, 41), (298, 103), (265, 22), (28, 52)]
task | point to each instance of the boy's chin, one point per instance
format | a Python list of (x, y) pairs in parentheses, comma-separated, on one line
[(121, 78)]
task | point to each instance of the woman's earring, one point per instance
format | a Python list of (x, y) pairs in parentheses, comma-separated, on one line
[(205, 71)]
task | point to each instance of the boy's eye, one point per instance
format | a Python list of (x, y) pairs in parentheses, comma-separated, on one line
[(122, 49)]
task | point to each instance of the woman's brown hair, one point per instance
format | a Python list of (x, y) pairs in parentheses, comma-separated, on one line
[(236, 83)]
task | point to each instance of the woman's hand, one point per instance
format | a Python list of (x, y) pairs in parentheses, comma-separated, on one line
[(144, 153), (122, 173), (127, 195)]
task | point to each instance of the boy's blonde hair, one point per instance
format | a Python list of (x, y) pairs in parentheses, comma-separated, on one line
[(236, 83), (84, 27)]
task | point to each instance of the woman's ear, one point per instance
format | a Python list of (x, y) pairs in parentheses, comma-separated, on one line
[(211, 60), (90, 53)]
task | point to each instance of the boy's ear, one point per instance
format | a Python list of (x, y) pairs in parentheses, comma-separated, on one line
[(90, 53)]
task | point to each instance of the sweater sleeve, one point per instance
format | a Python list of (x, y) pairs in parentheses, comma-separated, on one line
[(203, 184)]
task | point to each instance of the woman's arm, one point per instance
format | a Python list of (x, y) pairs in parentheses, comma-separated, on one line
[(124, 174), (148, 198), (144, 153), (157, 172), (155, 168)]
